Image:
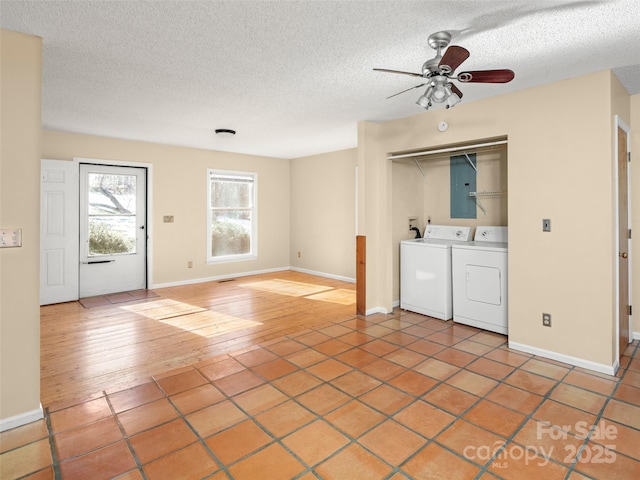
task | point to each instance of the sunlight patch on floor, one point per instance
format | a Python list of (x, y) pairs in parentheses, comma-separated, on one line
[(287, 287), (165, 308), (190, 318), (210, 324), (341, 296)]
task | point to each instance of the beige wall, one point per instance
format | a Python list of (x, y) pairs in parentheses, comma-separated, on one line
[(323, 222), (20, 87), (559, 167), (635, 211), (179, 177)]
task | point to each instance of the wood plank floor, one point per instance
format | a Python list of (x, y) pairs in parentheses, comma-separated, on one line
[(87, 350)]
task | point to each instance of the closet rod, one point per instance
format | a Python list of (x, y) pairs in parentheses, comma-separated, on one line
[(444, 150)]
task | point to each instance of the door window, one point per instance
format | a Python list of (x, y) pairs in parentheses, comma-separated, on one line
[(111, 214)]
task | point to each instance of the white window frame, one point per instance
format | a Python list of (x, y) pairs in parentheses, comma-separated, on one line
[(253, 253)]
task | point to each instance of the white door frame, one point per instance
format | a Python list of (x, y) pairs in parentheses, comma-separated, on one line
[(149, 227), (619, 123)]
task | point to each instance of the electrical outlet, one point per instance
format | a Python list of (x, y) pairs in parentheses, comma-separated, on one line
[(413, 222), (189, 264), (546, 319)]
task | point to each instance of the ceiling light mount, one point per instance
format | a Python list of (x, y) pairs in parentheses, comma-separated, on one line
[(225, 132)]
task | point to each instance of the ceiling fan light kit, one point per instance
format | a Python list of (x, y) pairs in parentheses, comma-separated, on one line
[(438, 72)]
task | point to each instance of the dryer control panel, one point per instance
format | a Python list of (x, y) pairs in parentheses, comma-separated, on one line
[(491, 234)]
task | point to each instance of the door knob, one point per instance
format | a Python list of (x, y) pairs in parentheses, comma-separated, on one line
[(623, 254)]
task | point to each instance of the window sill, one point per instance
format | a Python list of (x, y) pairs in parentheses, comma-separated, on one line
[(231, 258)]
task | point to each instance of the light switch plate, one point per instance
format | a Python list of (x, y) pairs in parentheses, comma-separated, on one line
[(546, 224), (11, 238)]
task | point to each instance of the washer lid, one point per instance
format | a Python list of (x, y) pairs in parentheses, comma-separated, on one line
[(448, 232)]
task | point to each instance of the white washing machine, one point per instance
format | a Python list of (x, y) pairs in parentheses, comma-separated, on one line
[(480, 280), (425, 270)]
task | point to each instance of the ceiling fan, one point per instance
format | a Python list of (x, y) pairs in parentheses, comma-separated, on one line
[(438, 73)]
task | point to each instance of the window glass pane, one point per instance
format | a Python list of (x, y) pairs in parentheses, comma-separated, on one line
[(111, 194), (112, 214), (231, 194), (111, 235), (231, 233)]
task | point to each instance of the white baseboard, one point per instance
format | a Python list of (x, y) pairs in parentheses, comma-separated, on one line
[(561, 357), (247, 274), (322, 274), (216, 278), (371, 311), (21, 419), (636, 335)]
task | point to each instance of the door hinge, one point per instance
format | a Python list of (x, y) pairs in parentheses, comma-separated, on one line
[(629, 233), (630, 310), (629, 156)]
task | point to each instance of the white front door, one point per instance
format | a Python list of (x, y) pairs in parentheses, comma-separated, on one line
[(113, 235), (58, 232)]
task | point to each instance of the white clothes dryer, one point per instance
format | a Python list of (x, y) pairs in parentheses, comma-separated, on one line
[(480, 280), (425, 270)]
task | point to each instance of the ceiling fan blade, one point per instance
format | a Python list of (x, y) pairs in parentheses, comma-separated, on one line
[(456, 90), (486, 76), (452, 58), (397, 71), (403, 91)]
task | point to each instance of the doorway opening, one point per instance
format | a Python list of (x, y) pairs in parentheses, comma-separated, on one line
[(95, 229)]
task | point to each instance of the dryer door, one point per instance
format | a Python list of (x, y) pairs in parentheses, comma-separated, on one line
[(483, 284)]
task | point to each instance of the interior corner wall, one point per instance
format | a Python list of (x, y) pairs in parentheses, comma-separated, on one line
[(374, 216), (323, 223), (180, 189), (635, 213), (559, 167), (20, 90)]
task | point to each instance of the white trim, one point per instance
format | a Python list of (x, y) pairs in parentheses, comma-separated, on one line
[(21, 419), (149, 227), (322, 274), (371, 311), (248, 274), (636, 335), (217, 278), (561, 357)]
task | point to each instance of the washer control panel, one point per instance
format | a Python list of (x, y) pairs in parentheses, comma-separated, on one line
[(448, 232)]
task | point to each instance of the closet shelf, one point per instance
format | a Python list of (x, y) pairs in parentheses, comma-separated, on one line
[(487, 194), (478, 195)]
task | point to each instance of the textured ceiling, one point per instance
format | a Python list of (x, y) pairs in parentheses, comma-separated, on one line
[(294, 77)]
